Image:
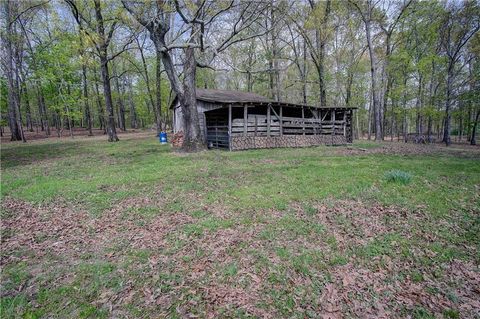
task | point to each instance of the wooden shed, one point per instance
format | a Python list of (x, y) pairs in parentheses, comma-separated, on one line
[(238, 120)]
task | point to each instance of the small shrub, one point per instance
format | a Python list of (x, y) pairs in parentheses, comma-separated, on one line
[(451, 313), (398, 176)]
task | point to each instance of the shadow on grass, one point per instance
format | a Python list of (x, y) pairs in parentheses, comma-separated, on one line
[(26, 154), (17, 155)]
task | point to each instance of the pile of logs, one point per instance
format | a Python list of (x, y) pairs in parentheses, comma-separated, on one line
[(250, 142), (177, 139)]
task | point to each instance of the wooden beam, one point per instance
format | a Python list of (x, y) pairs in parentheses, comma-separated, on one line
[(326, 113), (245, 120), (315, 117), (256, 125), (303, 120), (268, 120), (320, 117), (333, 122), (281, 120)]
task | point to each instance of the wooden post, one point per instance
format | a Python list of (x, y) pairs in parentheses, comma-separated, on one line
[(303, 120), (345, 123), (333, 122), (268, 119), (256, 125), (245, 120), (320, 118), (314, 123), (281, 120), (230, 126)]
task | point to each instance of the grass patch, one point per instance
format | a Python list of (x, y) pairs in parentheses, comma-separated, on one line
[(398, 176), (183, 235)]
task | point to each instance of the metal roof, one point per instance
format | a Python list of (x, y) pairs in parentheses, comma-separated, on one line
[(227, 96), (241, 97)]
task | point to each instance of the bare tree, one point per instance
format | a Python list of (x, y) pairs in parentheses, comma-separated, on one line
[(88, 116), (388, 28), (460, 24), (320, 14), (366, 11), (197, 18), (101, 36), (13, 97)]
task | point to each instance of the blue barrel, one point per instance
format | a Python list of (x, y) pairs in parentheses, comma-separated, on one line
[(163, 137)]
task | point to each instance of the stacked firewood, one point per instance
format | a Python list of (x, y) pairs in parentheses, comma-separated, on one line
[(177, 139), (248, 142)]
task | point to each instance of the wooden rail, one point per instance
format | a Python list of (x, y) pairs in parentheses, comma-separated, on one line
[(260, 125)]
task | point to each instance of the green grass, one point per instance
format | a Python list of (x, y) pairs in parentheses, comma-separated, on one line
[(97, 174), (238, 220), (397, 176)]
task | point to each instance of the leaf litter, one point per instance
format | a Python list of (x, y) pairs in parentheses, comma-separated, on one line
[(186, 273)]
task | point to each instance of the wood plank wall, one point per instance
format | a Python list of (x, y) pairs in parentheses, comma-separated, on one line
[(259, 125)]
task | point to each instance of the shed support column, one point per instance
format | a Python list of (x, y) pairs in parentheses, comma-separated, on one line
[(268, 120), (281, 120), (333, 122), (245, 120), (303, 120), (320, 123), (174, 121), (230, 126), (345, 123)]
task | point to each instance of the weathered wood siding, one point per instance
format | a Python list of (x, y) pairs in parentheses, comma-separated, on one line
[(202, 107), (258, 125), (239, 127)]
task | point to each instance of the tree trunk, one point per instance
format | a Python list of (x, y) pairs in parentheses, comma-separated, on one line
[(14, 117), (192, 138), (186, 94), (448, 115), (158, 106), (304, 73), (133, 113), (321, 48), (101, 114), (460, 128), (86, 104), (42, 109), (473, 138), (121, 105), (373, 68), (418, 107), (273, 60), (28, 113), (107, 91), (58, 124), (388, 85), (112, 133), (404, 104), (370, 120), (147, 81)]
